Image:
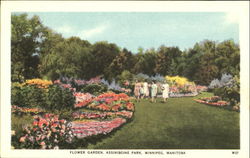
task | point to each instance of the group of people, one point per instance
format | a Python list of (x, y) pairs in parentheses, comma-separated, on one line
[(147, 90)]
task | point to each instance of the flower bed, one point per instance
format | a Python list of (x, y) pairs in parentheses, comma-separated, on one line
[(18, 110), (201, 88), (103, 115), (46, 132), (84, 129), (214, 101), (88, 115), (108, 102), (177, 95), (38, 82), (82, 99)]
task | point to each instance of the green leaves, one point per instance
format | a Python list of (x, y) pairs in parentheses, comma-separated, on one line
[(53, 98), (26, 36)]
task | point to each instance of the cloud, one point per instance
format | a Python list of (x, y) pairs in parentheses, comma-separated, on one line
[(232, 17), (65, 29), (94, 31)]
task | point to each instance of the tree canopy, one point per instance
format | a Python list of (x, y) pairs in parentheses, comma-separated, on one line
[(38, 51)]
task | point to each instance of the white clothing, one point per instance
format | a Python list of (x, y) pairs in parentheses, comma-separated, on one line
[(165, 90), (145, 89)]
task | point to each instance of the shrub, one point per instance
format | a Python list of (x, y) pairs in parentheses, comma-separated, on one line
[(95, 89), (228, 88), (52, 97), (59, 98), (28, 95), (17, 97)]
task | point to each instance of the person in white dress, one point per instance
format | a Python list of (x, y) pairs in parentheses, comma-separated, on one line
[(145, 90), (153, 92), (165, 91)]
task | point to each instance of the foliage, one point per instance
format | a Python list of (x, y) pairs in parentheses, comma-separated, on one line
[(38, 51), (141, 77), (26, 37), (28, 96), (126, 76), (52, 97), (228, 87), (94, 89), (59, 98)]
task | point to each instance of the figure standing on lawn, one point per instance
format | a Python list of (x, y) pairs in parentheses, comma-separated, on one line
[(137, 90), (165, 91), (141, 91), (153, 92), (145, 90)]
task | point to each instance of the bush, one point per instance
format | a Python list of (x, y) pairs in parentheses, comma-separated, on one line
[(28, 96), (94, 89), (229, 91), (17, 97), (59, 98), (53, 97)]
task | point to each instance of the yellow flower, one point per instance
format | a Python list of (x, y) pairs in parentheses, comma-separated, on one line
[(38, 82), (178, 81)]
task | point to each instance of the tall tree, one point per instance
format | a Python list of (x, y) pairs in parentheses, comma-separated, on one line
[(123, 61), (26, 38), (104, 53), (69, 58)]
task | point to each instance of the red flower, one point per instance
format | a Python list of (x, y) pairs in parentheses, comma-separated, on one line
[(35, 123), (115, 108)]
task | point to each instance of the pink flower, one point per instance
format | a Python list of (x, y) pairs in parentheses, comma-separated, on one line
[(42, 143), (22, 139)]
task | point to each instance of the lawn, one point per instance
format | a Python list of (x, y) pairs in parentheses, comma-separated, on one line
[(180, 123)]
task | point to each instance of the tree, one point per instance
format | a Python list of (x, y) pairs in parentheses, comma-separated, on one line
[(149, 62), (123, 61), (69, 58), (26, 38), (167, 60), (103, 53), (227, 57)]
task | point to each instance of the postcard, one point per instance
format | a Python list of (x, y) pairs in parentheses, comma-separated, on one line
[(125, 79)]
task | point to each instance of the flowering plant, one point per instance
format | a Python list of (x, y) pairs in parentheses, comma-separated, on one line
[(84, 129), (46, 132), (111, 102), (215, 101), (201, 88), (178, 81), (38, 82), (16, 109), (82, 99), (65, 86), (88, 115)]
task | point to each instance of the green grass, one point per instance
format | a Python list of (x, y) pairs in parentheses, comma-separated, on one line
[(18, 122), (180, 123)]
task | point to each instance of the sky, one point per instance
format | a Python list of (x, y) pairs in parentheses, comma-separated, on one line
[(144, 29)]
